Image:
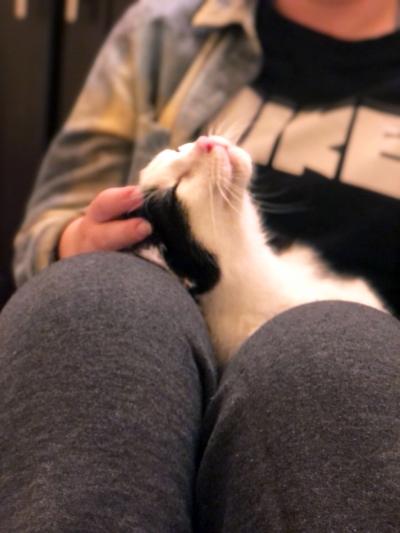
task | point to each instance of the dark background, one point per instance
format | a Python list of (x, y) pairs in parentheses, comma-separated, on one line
[(44, 60)]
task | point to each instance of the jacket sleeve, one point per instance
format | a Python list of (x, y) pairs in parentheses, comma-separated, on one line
[(92, 151)]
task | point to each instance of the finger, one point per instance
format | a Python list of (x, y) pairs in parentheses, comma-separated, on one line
[(114, 202), (119, 234)]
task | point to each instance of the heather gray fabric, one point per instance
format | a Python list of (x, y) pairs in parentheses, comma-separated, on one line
[(304, 432), (106, 375), (105, 369)]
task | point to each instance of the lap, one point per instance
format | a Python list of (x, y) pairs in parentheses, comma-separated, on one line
[(106, 370), (105, 367), (306, 423)]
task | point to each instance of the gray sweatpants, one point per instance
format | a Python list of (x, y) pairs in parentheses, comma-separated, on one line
[(112, 418)]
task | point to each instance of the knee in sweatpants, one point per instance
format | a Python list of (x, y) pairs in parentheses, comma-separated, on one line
[(117, 286), (100, 357), (101, 279), (331, 351), (104, 299), (324, 334), (305, 427)]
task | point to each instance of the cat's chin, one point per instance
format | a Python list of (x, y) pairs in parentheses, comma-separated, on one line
[(223, 159), (234, 167), (242, 166)]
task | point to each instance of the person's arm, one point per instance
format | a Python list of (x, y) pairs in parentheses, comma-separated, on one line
[(92, 152)]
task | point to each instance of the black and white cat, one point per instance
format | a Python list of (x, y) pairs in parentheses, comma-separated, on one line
[(209, 231)]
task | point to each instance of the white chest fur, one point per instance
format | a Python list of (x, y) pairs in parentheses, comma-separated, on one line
[(257, 284)]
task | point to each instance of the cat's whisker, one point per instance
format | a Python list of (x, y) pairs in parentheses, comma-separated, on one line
[(236, 192), (260, 191), (234, 186), (212, 208), (148, 194), (215, 128), (211, 130), (261, 197), (232, 194), (223, 192), (231, 131), (281, 209), (233, 189), (235, 132), (228, 131)]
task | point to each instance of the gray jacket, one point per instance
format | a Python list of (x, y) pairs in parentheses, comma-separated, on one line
[(163, 73)]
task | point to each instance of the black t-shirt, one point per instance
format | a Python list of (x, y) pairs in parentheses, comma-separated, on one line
[(328, 120)]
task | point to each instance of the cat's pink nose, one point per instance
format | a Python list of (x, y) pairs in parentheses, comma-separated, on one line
[(205, 143)]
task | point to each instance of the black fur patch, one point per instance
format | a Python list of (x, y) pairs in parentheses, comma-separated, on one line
[(172, 235)]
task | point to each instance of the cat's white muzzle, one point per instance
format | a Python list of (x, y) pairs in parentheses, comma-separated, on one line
[(229, 164)]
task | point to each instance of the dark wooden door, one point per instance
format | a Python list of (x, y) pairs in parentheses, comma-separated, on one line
[(45, 55), (118, 7), (26, 70)]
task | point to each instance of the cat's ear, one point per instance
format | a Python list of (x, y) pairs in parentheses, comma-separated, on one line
[(154, 255), (188, 284)]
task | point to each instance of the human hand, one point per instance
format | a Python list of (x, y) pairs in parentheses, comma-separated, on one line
[(101, 226)]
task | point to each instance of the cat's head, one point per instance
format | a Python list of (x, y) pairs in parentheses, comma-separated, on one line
[(197, 199)]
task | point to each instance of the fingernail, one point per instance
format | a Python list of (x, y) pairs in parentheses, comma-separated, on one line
[(144, 229)]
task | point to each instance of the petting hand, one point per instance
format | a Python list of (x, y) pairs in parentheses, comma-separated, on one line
[(101, 227)]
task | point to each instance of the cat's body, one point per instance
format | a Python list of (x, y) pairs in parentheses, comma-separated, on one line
[(211, 235)]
